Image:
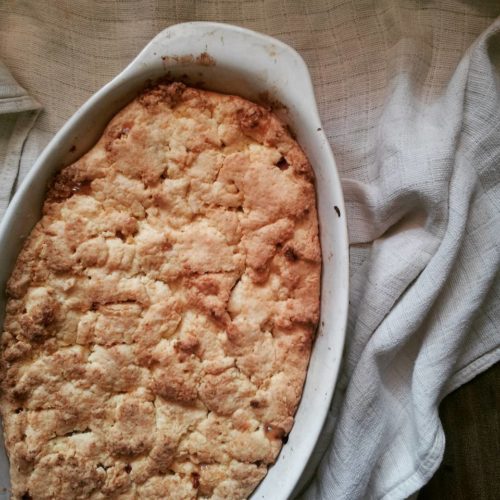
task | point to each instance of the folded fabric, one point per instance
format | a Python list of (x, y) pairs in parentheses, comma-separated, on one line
[(424, 223), (18, 112)]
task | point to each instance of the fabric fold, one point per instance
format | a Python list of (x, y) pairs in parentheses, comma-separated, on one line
[(418, 320), (18, 113)]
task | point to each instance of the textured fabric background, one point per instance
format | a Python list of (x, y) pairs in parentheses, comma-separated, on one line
[(409, 97)]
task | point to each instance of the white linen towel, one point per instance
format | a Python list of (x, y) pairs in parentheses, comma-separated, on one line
[(409, 94), (18, 112), (424, 225)]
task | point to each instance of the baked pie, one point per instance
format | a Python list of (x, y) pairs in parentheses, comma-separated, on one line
[(161, 314)]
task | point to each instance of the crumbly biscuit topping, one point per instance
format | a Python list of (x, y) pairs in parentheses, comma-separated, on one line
[(161, 313)]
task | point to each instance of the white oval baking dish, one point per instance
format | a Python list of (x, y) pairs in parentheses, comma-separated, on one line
[(232, 60)]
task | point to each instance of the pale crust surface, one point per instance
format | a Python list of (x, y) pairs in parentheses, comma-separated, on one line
[(161, 314)]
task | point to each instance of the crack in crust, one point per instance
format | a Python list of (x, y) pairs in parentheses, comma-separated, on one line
[(161, 313)]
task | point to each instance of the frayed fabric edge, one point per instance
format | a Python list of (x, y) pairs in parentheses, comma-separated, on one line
[(432, 459)]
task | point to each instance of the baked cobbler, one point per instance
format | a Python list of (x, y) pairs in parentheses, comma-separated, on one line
[(161, 314)]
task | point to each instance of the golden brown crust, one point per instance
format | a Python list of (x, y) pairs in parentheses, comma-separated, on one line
[(161, 314)]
